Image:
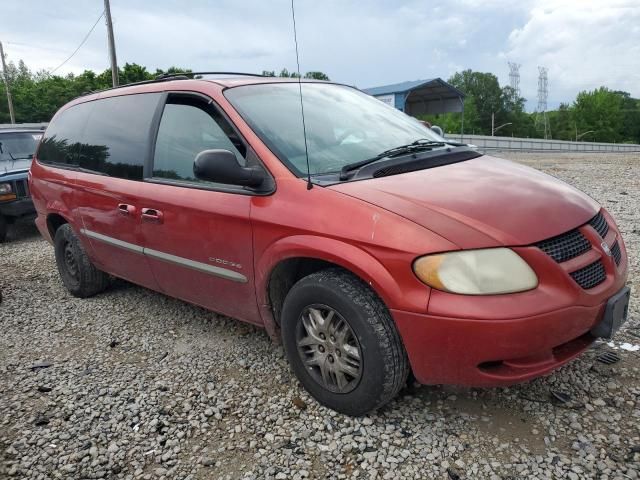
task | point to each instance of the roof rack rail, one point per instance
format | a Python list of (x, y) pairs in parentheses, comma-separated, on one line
[(184, 74), (171, 76)]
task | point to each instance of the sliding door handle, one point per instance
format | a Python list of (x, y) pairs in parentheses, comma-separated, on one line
[(126, 209), (152, 215)]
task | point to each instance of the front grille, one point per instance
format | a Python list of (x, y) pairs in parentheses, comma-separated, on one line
[(615, 251), (600, 224), (590, 276), (566, 246), (21, 188), (573, 244)]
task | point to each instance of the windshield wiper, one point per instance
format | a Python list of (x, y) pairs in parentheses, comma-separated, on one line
[(418, 145)]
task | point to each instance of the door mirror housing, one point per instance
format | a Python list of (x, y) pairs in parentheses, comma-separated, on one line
[(438, 130), (221, 166)]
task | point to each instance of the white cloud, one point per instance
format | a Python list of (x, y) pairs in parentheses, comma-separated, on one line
[(584, 44)]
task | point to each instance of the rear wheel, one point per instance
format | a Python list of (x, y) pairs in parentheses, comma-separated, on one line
[(78, 274), (342, 343)]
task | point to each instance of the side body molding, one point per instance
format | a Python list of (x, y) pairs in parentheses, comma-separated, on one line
[(167, 257)]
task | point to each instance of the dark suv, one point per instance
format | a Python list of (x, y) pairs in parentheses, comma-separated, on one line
[(17, 146)]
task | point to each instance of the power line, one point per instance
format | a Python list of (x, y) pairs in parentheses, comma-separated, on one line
[(79, 46)]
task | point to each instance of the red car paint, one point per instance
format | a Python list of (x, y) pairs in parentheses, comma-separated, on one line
[(374, 228)]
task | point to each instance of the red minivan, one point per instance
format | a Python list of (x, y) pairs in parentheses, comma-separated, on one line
[(371, 246)]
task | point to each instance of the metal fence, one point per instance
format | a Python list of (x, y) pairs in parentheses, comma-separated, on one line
[(484, 142), (41, 126)]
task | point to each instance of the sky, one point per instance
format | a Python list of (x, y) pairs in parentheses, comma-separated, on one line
[(583, 43)]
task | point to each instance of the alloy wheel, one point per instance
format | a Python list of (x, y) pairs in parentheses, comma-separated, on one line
[(329, 348)]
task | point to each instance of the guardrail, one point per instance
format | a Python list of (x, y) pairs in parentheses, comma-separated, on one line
[(41, 125), (485, 142)]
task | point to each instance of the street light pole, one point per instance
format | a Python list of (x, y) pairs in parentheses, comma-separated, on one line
[(578, 137), (493, 130), (12, 115), (112, 45)]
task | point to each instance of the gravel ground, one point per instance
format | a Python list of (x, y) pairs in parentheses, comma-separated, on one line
[(133, 384)]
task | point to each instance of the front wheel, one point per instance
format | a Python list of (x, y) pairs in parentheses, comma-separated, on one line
[(342, 343)]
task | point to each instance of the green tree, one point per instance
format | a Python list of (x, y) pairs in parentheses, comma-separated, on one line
[(630, 117), (286, 74), (488, 98), (599, 111), (316, 76), (561, 123)]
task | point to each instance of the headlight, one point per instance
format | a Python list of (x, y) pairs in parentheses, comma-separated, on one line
[(476, 272), (5, 192)]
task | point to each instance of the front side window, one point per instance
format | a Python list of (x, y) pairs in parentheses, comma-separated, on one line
[(343, 125), (189, 126)]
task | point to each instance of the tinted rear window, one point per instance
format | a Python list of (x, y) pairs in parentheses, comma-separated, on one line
[(62, 139), (116, 138), (107, 136)]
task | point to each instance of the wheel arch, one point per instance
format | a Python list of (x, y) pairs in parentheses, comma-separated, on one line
[(292, 258), (54, 221)]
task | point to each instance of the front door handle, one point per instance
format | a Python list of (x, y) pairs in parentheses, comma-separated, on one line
[(152, 215), (126, 209)]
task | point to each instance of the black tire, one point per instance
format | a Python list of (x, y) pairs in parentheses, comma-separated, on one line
[(78, 274), (384, 365), (3, 228)]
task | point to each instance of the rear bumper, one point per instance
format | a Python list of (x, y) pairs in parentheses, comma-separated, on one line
[(471, 352), (18, 208)]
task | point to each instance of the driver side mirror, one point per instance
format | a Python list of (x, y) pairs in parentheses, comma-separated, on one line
[(221, 166)]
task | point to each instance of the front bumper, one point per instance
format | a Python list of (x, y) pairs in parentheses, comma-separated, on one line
[(17, 208), (494, 352), (505, 339)]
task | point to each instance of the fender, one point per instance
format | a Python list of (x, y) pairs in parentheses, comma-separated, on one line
[(52, 192), (348, 256)]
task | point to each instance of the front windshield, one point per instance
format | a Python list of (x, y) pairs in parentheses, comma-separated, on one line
[(343, 125), (18, 145)]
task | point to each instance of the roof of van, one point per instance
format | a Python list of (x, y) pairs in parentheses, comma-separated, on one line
[(225, 82)]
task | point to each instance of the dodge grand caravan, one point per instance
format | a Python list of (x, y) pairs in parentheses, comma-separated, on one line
[(372, 247)]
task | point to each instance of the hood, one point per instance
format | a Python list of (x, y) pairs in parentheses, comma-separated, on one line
[(14, 166), (482, 202)]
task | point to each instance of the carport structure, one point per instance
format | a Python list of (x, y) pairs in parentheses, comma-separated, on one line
[(421, 97)]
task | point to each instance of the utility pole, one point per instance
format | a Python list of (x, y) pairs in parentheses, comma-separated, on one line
[(112, 44), (6, 86)]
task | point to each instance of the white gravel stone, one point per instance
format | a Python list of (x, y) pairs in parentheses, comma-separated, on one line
[(186, 393)]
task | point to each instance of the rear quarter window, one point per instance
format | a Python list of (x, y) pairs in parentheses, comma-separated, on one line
[(107, 136), (62, 139), (116, 138)]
